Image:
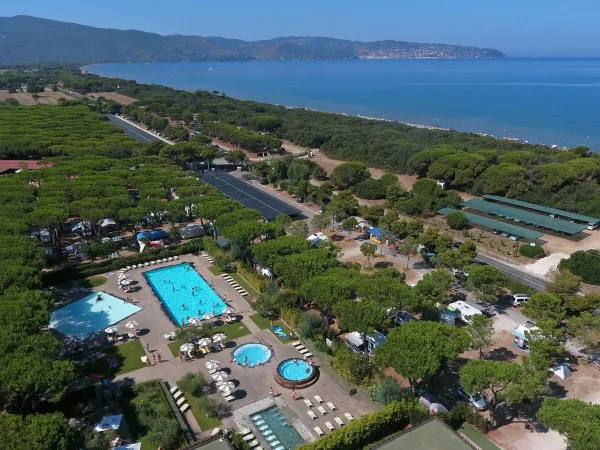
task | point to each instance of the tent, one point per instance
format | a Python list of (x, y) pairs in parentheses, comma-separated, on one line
[(109, 423), (561, 371), (108, 223), (135, 446), (158, 234)]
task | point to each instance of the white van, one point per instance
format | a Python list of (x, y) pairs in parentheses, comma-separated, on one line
[(519, 299)]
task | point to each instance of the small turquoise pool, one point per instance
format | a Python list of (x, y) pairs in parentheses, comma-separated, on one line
[(252, 354), (295, 370), (276, 429), (184, 292)]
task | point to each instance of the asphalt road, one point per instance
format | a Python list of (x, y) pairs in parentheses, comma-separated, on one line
[(515, 273), (132, 131)]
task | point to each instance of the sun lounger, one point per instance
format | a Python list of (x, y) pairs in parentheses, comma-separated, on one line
[(312, 415), (349, 417), (229, 398), (308, 403), (164, 260), (215, 431), (175, 257), (183, 408), (331, 406), (146, 264), (300, 348), (177, 394), (128, 267), (249, 437), (180, 401), (330, 426), (308, 355), (173, 389), (305, 351), (244, 431), (322, 410), (339, 421), (319, 431), (318, 399), (296, 343), (254, 443), (169, 258)]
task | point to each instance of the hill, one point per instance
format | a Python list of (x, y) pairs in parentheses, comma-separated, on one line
[(31, 39)]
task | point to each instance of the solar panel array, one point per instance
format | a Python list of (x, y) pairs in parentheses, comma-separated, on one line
[(243, 192)]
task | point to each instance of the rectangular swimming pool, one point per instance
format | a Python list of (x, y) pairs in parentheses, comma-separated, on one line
[(276, 429), (184, 292), (91, 314)]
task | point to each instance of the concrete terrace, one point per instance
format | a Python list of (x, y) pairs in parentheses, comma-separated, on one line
[(252, 383)]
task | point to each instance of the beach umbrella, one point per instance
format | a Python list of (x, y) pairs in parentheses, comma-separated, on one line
[(186, 348), (131, 324), (228, 310), (195, 321), (227, 387), (111, 330), (220, 376), (204, 342), (208, 316), (219, 337), (212, 364)]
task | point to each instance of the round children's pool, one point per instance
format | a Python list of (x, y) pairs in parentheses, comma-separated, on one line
[(252, 354), (295, 370)]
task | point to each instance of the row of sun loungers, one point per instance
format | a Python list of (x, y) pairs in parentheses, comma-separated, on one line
[(302, 349), (249, 439), (179, 399), (234, 284), (330, 426), (150, 263), (207, 257)]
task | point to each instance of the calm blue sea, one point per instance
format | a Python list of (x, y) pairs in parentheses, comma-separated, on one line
[(550, 101)]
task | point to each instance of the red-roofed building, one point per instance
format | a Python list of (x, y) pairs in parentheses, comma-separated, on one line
[(14, 165)]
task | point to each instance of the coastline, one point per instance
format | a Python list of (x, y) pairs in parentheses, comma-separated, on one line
[(550, 146)]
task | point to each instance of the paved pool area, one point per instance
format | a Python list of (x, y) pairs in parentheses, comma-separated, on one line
[(184, 293), (91, 314)]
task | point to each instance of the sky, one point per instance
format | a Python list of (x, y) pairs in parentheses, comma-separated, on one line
[(516, 27)]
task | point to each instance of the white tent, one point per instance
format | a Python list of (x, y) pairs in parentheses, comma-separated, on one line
[(109, 423), (561, 372), (136, 446)]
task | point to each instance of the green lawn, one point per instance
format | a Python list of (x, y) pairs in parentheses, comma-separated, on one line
[(204, 421), (93, 282), (479, 439), (128, 354), (232, 330), (264, 323), (215, 270)]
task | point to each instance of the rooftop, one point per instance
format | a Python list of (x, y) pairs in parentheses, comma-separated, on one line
[(524, 216), (492, 224), (430, 435), (545, 209)]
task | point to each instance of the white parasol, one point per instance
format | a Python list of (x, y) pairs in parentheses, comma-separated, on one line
[(204, 342), (228, 310), (212, 364), (227, 387), (131, 324), (220, 376), (111, 330), (219, 337), (195, 321), (208, 316), (186, 348)]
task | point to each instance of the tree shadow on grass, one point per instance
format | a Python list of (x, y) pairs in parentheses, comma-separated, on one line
[(383, 264), (501, 354)]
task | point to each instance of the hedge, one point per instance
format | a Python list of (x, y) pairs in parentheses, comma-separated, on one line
[(371, 428), (461, 413), (586, 264), (531, 251), (89, 269)]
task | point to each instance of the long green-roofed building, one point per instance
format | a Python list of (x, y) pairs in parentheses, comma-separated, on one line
[(491, 224), (521, 215), (544, 209)]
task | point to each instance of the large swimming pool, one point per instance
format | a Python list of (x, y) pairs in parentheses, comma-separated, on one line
[(91, 314), (184, 292), (276, 429)]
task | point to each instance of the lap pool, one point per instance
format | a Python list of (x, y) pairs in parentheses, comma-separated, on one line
[(184, 293), (93, 313)]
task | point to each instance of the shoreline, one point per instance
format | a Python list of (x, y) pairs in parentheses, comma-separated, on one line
[(85, 69)]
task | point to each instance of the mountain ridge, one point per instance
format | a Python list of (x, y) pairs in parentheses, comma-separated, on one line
[(27, 39)]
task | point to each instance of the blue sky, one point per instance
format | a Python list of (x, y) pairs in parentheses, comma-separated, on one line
[(517, 27)]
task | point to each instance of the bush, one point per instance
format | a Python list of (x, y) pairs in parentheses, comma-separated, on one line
[(310, 326), (90, 269), (258, 282), (371, 189), (456, 220), (193, 383), (389, 390), (586, 264), (370, 428), (321, 345), (222, 261), (531, 251), (516, 287), (352, 366), (461, 413), (291, 316)]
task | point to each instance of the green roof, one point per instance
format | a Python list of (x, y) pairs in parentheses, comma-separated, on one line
[(524, 216), (216, 444), (492, 224), (544, 209), (430, 435)]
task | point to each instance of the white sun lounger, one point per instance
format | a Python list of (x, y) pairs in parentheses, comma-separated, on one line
[(244, 431), (183, 408), (180, 401), (229, 398), (312, 415), (318, 399), (296, 343), (254, 443), (331, 406), (330, 426), (349, 417), (173, 389), (175, 257), (248, 437), (308, 403), (177, 394), (319, 431), (339, 421), (322, 410)]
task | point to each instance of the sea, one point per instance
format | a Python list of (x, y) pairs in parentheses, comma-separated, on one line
[(555, 102)]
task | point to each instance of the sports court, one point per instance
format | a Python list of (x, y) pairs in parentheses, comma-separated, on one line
[(243, 192)]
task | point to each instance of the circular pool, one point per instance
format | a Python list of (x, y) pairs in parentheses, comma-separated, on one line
[(295, 374), (252, 354)]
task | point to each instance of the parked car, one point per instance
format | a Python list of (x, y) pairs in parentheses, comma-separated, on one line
[(519, 299), (504, 234), (515, 237), (495, 232), (477, 400), (592, 226)]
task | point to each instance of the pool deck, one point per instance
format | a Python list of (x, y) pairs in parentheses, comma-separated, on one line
[(254, 383)]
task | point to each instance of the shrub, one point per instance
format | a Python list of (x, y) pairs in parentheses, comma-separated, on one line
[(461, 413), (222, 261), (258, 282), (370, 428), (310, 326), (321, 345), (291, 316), (456, 220), (516, 287), (389, 390), (531, 251), (371, 189), (193, 383), (586, 264), (352, 366)]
